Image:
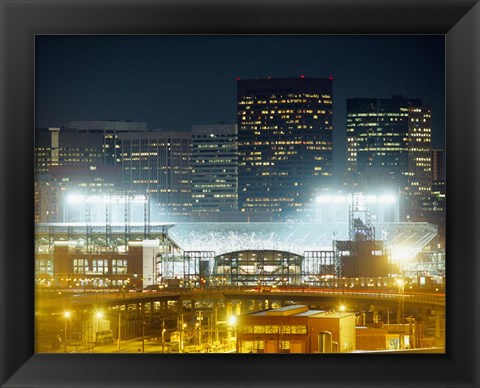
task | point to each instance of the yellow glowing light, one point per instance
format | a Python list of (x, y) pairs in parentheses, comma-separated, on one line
[(232, 321), (402, 254)]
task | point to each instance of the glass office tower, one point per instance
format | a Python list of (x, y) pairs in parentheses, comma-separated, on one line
[(284, 144)]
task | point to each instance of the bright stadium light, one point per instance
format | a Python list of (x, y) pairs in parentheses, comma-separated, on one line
[(387, 199), (331, 199), (75, 198), (338, 199), (401, 254), (323, 199), (105, 199)]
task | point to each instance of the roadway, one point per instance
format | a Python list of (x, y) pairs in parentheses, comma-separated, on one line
[(72, 299)]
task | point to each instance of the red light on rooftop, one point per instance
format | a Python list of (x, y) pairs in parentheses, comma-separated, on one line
[(238, 78), (330, 78), (302, 76)]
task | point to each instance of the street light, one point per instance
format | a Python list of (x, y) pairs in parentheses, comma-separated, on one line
[(66, 314), (232, 322), (401, 292), (163, 340), (99, 316), (342, 308)]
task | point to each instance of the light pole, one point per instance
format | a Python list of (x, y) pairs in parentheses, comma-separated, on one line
[(198, 325), (197, 335), (66, 315), (143, 328), (163, 339), (119, 328), (99, 316), (232, 322), (401, 292)]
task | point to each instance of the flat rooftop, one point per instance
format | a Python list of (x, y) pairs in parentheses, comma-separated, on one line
[(300, 311)]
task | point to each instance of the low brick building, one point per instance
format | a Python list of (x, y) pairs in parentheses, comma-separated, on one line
[(295, 329)]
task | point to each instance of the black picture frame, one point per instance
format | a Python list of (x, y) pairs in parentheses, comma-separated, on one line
[(21, 20)]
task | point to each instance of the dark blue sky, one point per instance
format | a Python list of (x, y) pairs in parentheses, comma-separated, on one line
[(173, 82)]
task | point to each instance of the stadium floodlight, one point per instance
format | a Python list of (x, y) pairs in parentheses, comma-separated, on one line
[(329, 199), (361, 198), (323, 199), (387, 199), (75, 198), (338, 199), (401, 254)]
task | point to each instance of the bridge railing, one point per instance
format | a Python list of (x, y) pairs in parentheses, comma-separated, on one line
[(407, 296), (63, 299)]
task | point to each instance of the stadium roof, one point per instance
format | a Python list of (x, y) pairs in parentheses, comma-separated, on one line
[(225, 237), (404, 239)]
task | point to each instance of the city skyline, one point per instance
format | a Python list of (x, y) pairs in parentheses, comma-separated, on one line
[(141, 77), (159, 200)]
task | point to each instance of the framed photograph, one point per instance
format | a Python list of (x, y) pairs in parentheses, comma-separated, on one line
[(292, 264)]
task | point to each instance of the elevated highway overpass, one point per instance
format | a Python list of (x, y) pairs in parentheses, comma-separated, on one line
[(425, 300)]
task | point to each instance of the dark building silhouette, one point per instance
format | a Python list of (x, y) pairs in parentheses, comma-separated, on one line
[(377, 141)]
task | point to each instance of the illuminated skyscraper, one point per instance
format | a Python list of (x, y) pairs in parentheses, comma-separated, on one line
[(284, 143), (214, 162), (61, 147), (419, 182), (377, 142), (438, 165), (109, 129), (157, 164)]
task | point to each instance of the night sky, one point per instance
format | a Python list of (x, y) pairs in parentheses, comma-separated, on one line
[(173, 82)]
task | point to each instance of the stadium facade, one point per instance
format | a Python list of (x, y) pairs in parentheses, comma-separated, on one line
[(136, 255)]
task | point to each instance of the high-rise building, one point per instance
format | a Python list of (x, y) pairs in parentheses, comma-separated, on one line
[(438, 165), (377, 142), (109, 129), (60, 147), (434, 205), (389, 148), (284, 144), (214, 162), (419, 182), (157, 164)]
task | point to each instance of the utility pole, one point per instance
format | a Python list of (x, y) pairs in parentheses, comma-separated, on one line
[(119, 329), (143, 328), (181, 333), (199, 327), (216, 323), (163, 335)]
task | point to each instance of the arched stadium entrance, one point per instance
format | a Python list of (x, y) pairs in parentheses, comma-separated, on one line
[(259, 268)]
